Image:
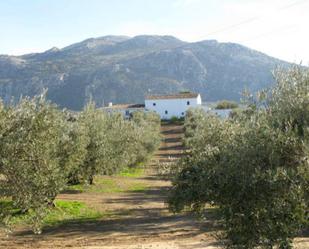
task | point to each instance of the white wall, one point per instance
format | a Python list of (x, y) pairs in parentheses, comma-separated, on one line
[(224, 113), (174, 107)]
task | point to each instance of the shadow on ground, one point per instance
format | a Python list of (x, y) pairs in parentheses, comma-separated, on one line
[(141, 219)]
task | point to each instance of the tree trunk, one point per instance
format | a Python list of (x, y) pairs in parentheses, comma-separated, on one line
[(90, 180)]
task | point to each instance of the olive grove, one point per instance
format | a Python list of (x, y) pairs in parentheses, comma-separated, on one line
[(43, 149)]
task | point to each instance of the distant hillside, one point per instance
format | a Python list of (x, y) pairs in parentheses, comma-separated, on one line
[(121, 69)]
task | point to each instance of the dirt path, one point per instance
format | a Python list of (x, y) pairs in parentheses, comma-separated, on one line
[(140, 218)]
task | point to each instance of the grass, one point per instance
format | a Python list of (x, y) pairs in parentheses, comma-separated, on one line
[(99, 186), (64, 211), (105, 184), (76, 211), (71, 210), (132, 172), (122, 182)]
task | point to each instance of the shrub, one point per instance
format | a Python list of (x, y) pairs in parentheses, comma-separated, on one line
[(226, 104), (174, 119)]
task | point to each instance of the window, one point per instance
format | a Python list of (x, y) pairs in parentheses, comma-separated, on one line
[(166, 112), (188, 102), (182, 113), (154, 104)]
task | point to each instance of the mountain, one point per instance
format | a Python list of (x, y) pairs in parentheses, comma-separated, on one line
[(122, 69)]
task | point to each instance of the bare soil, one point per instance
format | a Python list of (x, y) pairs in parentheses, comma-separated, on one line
[(140, 219)]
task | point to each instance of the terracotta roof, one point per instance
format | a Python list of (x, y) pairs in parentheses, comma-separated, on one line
[(125, 106), (173, 96)]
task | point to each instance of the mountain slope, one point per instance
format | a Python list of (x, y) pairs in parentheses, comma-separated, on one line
[(122, 69)]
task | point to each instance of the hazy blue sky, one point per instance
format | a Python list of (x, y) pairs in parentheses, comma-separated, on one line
[(276, 27)]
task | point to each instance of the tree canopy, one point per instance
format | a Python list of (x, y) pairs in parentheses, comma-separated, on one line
[(43, 148), (252, 167)]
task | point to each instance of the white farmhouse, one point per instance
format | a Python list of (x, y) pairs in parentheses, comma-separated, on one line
[(175, 105)]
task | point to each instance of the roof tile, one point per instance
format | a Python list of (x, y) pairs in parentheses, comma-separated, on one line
[(173, 96)]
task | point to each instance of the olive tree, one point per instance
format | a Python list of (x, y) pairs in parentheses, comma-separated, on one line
[(120, 139), (94, 122), (147, 135), (43, 148), (114, 142), (30, 164), (254, 167), (73, 147)]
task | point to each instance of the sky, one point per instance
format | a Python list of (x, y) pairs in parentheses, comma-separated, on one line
[(276, 27)]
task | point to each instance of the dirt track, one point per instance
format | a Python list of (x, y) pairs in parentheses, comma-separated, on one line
[(141, 218)]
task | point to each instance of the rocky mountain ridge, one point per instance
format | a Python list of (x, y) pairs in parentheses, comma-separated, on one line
[(122, 69)]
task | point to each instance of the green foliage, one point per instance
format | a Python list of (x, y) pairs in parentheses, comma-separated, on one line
[(42, 149), (73, 147), (176, 120), (116, 143), (254, 167), (226, 104), (194, 117), (31, 133), (147, 135), (94, 122)]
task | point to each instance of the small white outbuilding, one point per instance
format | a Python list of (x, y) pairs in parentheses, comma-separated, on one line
[(174, 105), (125, 109)]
